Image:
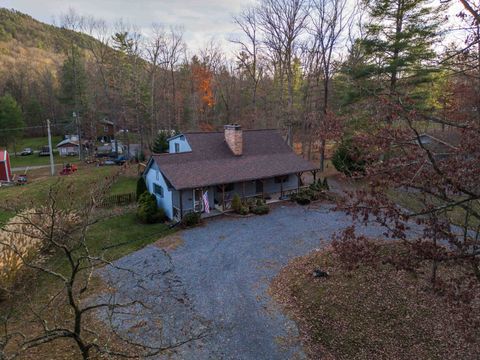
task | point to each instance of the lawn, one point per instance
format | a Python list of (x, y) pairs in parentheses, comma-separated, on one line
[(36, 191), (372, 312), (35, 160), (124, 184), (5, 216), (117, 236), (35, 143)]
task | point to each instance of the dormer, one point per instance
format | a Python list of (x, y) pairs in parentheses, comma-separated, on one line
[(178, 144)]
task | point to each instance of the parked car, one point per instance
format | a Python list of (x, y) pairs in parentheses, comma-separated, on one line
[(44, 151), (26, 151)]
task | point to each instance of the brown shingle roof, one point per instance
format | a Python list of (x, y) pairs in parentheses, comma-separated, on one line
[(265, 154)]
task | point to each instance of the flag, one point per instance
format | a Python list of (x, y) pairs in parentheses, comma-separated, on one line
[(206, 205)]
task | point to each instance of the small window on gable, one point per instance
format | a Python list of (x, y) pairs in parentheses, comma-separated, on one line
[(105, 128), (177, 147), (158, 190), (281, 179)]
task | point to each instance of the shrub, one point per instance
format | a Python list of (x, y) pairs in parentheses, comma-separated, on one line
[(141, 187), (191, 219), (261, 209), (251, 203), (260, 202), (303, 199), (243, 210), (325, 184), (148, 211), (347, 159), (236, 203)]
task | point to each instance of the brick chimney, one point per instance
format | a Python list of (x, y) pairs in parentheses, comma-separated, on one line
[(234, 138)]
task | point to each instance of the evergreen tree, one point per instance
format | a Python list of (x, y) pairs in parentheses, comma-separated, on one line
[(74, 82), (160, 144), (400, 38), (11, 120)]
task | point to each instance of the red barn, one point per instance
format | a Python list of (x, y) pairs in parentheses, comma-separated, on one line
[(5, 170)]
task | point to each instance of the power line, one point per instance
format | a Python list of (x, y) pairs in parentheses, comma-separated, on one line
[(35, 127)]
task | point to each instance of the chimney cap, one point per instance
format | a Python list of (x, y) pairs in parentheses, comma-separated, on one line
[(232, 127)]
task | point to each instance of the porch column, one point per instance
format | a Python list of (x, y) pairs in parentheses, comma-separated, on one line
[(223, 197), (243, 185), (299, 177), (181, 204), (281, 188), (263, 188), (314, 173)]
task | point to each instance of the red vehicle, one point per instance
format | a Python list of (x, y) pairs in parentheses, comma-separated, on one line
[(68, 169)]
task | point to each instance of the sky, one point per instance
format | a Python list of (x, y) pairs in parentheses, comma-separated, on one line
[(200, 19)]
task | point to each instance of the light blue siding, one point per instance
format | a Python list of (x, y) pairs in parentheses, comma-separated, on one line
[(182, 142), (154, 176)]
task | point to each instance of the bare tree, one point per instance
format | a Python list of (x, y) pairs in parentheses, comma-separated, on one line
[(282, 23), (250, 49), (330, 19), (61, 227), (171, 54), (154, 49)]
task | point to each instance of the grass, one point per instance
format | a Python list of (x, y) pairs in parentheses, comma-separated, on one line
[(34, 142), (414, 203), (116, 237), (125, 184), (371, 313), (35, 160), (5, 216), (36, 191)]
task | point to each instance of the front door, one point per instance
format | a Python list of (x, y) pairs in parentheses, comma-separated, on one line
[(198, 202), (259, 187)]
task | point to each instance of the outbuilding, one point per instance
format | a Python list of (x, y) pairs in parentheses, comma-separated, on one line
[(68, 147), (5, 169)]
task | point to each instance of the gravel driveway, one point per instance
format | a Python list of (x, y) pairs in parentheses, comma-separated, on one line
[(216, 281)]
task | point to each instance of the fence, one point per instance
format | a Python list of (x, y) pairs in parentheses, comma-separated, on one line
[(119, 199)]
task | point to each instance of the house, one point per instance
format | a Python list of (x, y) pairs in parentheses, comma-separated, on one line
[(5, 169), (105, 130), (217, 165), (69, 146)]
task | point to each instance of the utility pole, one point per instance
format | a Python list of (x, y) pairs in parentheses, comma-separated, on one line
[(52, 166)]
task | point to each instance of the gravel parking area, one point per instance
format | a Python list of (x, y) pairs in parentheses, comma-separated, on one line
[(216, 281)]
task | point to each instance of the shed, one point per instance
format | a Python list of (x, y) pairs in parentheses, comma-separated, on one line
[(5, 169)]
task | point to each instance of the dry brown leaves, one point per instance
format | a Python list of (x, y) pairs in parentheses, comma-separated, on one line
[(372, 313)]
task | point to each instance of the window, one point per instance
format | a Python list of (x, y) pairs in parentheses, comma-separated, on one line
[(105, 128), (177, 147), (281, 179), (158, 190)]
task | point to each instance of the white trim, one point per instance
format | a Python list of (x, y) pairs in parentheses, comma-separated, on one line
[(6, 165)]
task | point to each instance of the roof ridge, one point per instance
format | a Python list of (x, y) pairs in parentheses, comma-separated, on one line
[(221, 132)]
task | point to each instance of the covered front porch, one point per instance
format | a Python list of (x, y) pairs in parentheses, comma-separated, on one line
[(218, 198)]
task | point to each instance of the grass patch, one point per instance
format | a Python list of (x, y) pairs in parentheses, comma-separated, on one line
[(36, 191), (123, 234), (415, 203), (35, 160), (35, 143), (124, 184), (371, 313), (5, 216)]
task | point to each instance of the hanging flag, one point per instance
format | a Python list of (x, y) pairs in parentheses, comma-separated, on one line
[(206, 205)]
